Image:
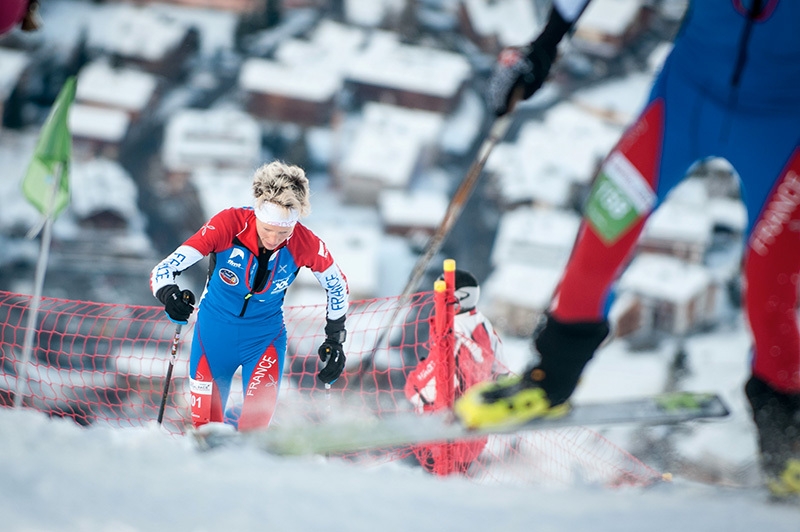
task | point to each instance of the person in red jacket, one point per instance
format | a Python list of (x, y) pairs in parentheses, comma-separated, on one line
[(255, 254), (476, 352)]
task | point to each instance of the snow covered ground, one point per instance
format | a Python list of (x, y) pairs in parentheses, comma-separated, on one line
[(56, 476)]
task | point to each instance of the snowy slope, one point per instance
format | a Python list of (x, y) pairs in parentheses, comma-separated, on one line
[(57, 476)]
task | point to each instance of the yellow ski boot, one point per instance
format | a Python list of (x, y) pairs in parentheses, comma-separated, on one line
[(507, 402), (787, 484)]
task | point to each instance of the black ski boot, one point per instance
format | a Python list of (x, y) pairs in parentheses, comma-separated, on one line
[(777, 418), (543, 389)]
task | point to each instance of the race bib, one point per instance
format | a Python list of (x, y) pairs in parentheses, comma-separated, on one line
[(620, 196), (201, 401)]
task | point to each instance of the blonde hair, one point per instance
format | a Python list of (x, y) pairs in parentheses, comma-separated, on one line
[(284, 185)]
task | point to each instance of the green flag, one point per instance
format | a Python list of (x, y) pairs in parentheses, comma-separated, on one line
[(51, 158)]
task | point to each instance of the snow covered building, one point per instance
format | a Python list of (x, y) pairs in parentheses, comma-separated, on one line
[(129, 89), (417, 77), (288, 93), (104, 196), (535, 236), (495, 24), (109, 105), (607, 26), (552, 162), (530, 250), (220, 139), (144, 37), (97, 131), (301, 84), (516, 294), (414, 215), (390, 145), (104, 231), (677, 297), (682, 226), (218, 189)]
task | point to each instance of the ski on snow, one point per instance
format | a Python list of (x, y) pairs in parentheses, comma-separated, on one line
[(346, 435)]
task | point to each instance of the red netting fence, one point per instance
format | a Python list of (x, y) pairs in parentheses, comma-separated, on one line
[(106, 364)]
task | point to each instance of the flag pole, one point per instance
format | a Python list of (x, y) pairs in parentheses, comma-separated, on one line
[(46, 186), (38, 288)]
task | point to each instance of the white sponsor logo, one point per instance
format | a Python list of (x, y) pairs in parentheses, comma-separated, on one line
[(281, 284), (778, 214), (262, 370), (200, 387), (632, 183)]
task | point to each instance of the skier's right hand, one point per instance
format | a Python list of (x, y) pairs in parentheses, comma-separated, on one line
[(178, 304), (517, 74)]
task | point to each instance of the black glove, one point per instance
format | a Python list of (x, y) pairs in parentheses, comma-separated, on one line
[(331, 352), (520, 71), (177, 304)]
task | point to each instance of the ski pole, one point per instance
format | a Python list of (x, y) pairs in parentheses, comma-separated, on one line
[(497, 131), (173, 356)]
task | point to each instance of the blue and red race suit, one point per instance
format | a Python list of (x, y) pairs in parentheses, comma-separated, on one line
[(239, 324), (730, 88)]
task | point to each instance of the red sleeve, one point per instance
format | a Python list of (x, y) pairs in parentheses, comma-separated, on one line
[(217, 234), (309, 250)]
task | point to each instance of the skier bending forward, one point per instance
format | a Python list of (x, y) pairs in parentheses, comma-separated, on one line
[(255, 254), (730, 88)]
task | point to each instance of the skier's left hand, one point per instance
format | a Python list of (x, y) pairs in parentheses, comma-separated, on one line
[(517, 74), (331, 352), (332, 355)]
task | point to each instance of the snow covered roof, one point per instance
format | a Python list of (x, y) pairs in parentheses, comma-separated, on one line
[(513, 21), (610, 17), (679, 223), (385, 62), (298, 81), (728, 212), (220, 189), (617, 101), (419, 208), (123, 88), (102, 184), (371, 13), (136, 31), (522, 285), (683, 216), (220, 137), (356, 248), (388, 141), (12, 63), (216, 26), (307, 69), (535, 236), (664, 277), (548, 157), (89, 121), (330, 46)]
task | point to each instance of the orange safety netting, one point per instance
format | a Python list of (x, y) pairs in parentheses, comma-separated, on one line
[(104, 364)]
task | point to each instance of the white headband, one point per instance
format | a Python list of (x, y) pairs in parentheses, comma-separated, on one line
[(272, 214)]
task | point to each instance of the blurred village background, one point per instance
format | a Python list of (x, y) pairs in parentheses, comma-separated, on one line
[(382, 102)]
